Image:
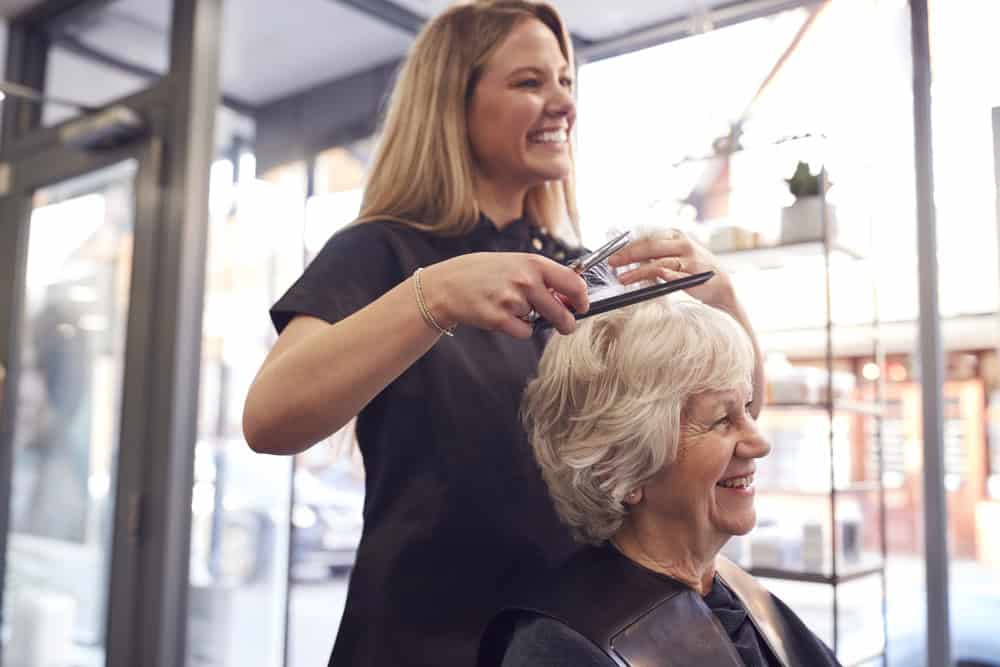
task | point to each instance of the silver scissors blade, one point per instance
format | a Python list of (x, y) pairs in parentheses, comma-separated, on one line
[(590, 260)]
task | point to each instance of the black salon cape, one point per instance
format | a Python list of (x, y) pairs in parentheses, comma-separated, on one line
[(545, 641), (455, 507), (542, 639)]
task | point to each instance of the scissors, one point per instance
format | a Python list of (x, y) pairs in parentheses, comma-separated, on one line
[(585, 263), (602, 306)]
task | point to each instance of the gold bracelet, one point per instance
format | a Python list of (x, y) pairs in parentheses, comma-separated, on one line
[(425, 311)]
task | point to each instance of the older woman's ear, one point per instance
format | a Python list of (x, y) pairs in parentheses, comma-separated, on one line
[(633, 497)]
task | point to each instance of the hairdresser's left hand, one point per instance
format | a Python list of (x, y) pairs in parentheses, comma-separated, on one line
[(671, 254)]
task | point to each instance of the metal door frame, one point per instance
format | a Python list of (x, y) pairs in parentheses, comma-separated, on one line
[(147, 597), (15, 213)]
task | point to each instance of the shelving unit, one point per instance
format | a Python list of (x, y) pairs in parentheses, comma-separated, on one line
[(855, 407), (816, 577), (841, 513), (774, 257)]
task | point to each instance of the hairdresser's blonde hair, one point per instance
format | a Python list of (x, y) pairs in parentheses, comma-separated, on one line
[(603, 416), (423, 170)]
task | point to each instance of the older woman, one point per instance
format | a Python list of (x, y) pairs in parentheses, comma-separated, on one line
[(641, 425)]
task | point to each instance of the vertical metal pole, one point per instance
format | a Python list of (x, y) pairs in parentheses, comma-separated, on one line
[(996, 181), (830, 407), (124, 609), (879, 417), (27, 58), (175, 343), (15, 211), (931, 365)]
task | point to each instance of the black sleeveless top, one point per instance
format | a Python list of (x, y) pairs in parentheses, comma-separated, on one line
[(455, 508)]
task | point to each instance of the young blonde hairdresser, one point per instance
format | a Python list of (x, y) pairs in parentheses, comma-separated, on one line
[(471, 185)]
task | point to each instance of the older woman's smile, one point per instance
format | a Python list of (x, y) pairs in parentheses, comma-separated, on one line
[(742, 483)]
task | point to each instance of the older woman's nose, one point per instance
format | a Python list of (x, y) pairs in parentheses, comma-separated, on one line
[(753, 445)]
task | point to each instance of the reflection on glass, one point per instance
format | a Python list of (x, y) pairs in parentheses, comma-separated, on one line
[(112, 50), (68, 396), (860, 633), (240, 509), (339, 180)]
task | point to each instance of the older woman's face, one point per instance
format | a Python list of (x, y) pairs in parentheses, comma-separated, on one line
[(522, 110), (709, 488)]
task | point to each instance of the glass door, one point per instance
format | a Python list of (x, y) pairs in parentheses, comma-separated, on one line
[(68, 395)]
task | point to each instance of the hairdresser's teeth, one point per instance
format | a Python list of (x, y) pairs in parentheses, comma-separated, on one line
[(553, 137), (737, 482)]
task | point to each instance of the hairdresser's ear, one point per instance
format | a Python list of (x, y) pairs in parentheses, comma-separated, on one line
[(633, 497)]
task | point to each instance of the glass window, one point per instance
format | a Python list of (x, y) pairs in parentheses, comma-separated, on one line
[(241, 501), (338, 179), (731, 114), (68, 397), (964, 97), (263, 233)]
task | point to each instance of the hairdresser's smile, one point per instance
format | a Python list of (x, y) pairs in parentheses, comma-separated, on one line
[(554, 136), (521, 112)]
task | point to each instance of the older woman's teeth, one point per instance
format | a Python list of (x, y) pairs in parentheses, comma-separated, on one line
[(552, 137), (737, 482)]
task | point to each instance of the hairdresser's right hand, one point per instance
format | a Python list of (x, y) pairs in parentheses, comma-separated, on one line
[(494, 290)]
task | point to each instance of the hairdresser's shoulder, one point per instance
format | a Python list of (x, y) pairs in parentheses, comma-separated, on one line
[(370, 234)]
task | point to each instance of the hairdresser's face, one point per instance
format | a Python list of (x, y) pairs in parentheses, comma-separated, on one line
[(522, 110), (707, 493)]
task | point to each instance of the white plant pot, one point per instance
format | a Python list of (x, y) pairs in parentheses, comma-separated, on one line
[(804, 221)]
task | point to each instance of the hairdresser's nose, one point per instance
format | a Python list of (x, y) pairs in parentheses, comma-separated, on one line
[(561, 103)]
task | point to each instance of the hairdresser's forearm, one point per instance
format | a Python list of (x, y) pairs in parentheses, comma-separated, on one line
[(320, 381), (732, 305)]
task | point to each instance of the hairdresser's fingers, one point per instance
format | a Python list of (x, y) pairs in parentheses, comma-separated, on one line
[(667, 244), (551, 308), (503, 310), (667, 268), (571, 288), (514, 326)]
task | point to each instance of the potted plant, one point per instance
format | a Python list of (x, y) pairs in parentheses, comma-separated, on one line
[(810, 217)]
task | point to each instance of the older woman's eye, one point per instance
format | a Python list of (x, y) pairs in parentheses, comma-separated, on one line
[(722, 421)]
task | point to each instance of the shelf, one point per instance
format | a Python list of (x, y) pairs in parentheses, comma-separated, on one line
[(775, 257), (855, 407), (857, 487), (816, 577), (858, 662)]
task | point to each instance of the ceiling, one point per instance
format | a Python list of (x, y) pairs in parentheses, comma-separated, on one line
[(597, 19), (269, 52), (11, 8)]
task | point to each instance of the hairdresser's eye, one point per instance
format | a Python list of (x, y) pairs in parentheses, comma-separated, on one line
[(566, 82), (529, 83)]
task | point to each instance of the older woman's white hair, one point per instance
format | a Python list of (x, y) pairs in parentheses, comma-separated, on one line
[(603, 415)]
